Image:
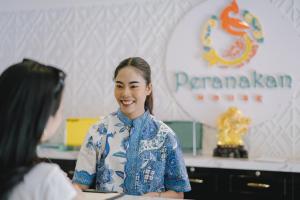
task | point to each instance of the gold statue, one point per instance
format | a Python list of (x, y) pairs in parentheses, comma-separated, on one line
[(232, 125)]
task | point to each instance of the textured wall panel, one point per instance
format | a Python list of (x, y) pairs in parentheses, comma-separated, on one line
[(88, 42)]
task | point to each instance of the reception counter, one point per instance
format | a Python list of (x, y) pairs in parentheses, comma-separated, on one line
[(265, 164), (219, 178), (112, 196)]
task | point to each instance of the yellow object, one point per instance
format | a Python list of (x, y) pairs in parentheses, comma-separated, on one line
[(76, 130), (213, 57), (232, 125)]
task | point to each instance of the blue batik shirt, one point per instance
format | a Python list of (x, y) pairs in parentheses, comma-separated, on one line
[(140, 156)]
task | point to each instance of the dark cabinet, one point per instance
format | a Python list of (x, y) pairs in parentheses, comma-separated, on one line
[(296, 186), (260, 185), (234, 184), (217, 183), (203, 182)]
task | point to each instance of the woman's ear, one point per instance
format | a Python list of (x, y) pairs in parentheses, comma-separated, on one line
[(149, 89)]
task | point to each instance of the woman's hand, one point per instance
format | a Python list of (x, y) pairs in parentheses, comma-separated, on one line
[(168, 194), (153, 194), (80, 187)]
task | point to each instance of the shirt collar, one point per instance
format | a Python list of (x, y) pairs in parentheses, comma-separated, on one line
[(133, 122)]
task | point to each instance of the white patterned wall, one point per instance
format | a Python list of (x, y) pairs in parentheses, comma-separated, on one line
[(89, 39)]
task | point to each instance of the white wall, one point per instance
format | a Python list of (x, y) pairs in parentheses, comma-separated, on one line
[(89, 38)]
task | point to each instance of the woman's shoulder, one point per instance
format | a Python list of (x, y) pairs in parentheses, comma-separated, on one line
[(41, 179), (44, 169), (107, 119), (103, 122), (54, 179), (159, 133), (159, 123), (162, 127), (46, 172)]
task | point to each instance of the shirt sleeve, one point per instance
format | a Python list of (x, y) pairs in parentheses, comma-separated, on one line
[(57, 186), (176, 177), (85, 171)]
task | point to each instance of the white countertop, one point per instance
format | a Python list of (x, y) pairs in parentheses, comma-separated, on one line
[(97, 196), (264, 164), (54, 153)]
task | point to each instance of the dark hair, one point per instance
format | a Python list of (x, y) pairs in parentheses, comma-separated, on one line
[(30, 93), (144, 68)]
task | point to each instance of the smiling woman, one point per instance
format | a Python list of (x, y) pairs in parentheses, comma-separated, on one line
[(130, 150), (133, 91)]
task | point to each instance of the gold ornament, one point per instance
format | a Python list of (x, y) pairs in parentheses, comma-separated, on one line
[(232, 125)]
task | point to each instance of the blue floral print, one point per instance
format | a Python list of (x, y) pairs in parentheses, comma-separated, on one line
[(140, 156)]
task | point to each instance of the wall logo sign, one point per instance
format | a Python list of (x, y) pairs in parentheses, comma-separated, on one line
[(247, 32), (230, 53)]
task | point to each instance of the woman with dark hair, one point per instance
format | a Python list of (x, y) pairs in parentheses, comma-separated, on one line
[(130, 150), (30, 112)]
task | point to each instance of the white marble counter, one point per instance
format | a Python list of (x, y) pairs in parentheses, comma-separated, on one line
[(265, 164), (246, 164), (97, 196), (54, 153)]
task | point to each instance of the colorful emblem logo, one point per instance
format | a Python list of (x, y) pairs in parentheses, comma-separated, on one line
[(246, 31)]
